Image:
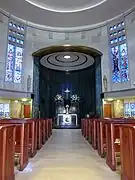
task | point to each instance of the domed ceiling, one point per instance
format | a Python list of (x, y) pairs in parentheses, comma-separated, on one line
[(66, 14), (66, 6)]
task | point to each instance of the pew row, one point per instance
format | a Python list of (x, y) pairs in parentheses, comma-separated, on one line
[(127, 152), (7, 149), (21, 141), (105, 137)]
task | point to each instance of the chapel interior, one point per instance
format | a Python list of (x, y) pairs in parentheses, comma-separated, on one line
[(67, 89)]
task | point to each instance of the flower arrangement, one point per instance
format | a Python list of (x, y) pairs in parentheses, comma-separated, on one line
[(74, 97), (58, 97)]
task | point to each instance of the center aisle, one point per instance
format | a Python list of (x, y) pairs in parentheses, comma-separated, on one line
[(67, 156)]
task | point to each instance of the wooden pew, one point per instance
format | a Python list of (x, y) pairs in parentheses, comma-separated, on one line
[(39, 134), (7, 150), (112, 141), (94, 133), (50, 127), (127, 151), (21, 141), (47, 129), (101, 138), (43, 129), (32, 136), (90, 131)]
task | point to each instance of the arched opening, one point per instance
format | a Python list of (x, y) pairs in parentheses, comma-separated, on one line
[(61, 68)]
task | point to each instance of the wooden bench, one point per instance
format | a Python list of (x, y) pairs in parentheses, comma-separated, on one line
[(127, 151), (39, 134), (94, 133), (7, 150), (50, 127), (21, 141), (32, 136), (101, 138), (112, 141), (43, 129)]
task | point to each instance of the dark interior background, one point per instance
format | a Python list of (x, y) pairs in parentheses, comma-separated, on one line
[(85, 83)]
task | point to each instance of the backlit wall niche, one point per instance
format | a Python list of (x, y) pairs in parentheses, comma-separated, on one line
[(118, 52), (15, 50)]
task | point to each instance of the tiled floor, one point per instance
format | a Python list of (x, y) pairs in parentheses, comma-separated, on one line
[(67, 156)]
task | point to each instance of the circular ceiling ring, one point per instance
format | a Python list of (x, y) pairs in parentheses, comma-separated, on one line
[(83, 61)]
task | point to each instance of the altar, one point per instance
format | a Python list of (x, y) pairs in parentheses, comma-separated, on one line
[(67, 120), (67, 110)]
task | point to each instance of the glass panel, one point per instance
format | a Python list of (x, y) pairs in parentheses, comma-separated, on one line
[(19, 28), (9, 37), (9, 64), (18, 65), (114, 27), (13, 39), (17, 40), (116, 77), (10, 24), (119, 25), (22, 28), (124, 62), (14, 26), (112, 41), (122, 23)]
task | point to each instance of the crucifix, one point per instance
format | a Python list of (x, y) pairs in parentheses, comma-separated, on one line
[(67, 91)]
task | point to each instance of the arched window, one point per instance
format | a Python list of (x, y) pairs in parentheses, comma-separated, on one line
[(15, 50)]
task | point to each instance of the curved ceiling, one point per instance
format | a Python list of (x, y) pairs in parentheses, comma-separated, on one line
[(67, 61), (66, 6), (66, 14)]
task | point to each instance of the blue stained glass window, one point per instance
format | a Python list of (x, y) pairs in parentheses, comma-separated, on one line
[(16, 39), (124, 62), (10, 63), (119, 54), (18, 64), (116, 77), (9, 37)]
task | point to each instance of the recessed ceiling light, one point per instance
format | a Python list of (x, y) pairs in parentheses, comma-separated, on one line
[(110, 99), (24, 99), (66, 57)]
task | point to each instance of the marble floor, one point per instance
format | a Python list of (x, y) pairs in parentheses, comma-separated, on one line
[(67, 156)]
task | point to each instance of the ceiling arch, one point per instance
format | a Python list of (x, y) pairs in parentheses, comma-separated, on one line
[(55, 14), (66, 6)]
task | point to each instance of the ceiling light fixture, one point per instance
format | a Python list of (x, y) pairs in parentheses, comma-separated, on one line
[(24, 99), (110, 99), (67, 57)]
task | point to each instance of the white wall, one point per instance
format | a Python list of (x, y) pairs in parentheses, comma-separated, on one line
[(96, 38), (3, 47)]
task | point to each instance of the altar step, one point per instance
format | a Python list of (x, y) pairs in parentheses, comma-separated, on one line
[(67, 127)]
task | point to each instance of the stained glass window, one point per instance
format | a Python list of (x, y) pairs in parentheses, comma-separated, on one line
[(124, 62), (115, 64), (10, 63), (119, 52), (15, 50), (18, 65)]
